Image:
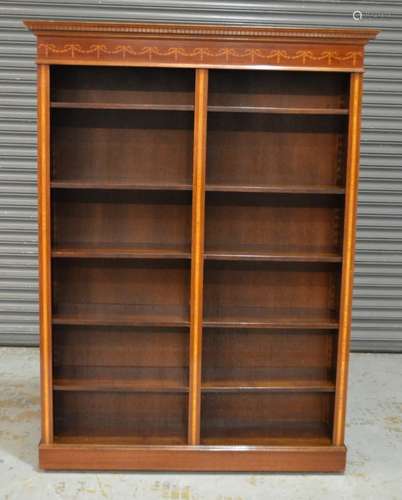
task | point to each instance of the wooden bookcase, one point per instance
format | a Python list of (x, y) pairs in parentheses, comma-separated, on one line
[(197, 195)]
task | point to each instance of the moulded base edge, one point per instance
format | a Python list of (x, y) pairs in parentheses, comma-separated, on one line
[(192, 458)]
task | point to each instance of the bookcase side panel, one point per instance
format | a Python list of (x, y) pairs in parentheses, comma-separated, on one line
[(45, 301), (348, 256)]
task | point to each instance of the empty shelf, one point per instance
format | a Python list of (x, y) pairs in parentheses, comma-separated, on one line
[(274, 254), (261, 317), (248, 385), (130, 251), (122, 106), (121, 378), (277, 110), (265, 433), (171, 439), (285, 189), (112, 185), (120, 314)]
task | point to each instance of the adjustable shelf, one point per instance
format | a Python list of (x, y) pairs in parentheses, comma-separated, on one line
[(270, 254), (197, 209), (120, 314), (269, 386), (290, 189), (112, 251), (190, 107), (278, 110), (262, 319), (122, 106), (125, 186), (150, 251), (121, 379), (110, 185)]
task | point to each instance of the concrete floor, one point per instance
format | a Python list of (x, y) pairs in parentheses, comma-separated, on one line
[(374, 438)]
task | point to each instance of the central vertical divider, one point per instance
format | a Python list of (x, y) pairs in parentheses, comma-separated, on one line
[(197, 254)]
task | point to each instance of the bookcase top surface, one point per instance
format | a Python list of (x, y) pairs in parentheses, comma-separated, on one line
[(354, 35)]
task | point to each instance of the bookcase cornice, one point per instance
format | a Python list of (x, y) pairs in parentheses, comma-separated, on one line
[(192, 45)]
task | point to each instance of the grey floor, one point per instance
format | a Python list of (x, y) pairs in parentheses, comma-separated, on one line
[(374, 439)]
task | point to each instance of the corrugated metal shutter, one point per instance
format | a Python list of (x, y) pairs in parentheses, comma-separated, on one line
[(377, 314)]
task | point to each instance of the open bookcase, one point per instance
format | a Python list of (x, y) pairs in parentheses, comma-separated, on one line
[(196, 245)]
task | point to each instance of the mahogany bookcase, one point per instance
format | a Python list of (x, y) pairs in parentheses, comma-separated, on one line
[(197, 200)]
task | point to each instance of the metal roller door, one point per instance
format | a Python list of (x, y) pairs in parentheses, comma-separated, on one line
[(377, 308)]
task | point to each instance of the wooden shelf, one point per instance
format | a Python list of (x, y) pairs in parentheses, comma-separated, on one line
[(120, 314), (148, 251), (164, 440), (248, 385), (259, 317), (190, 107), (291, 189), (112, 251), (122, 106), (113, 386), (126, 186), (277, 110), (267, 434), (264, 254), (272, 324), (120, 379)]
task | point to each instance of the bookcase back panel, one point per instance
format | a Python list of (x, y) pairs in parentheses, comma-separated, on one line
[(132, 346), (100, 287), (277, 418), (303, 223), (88, 84), (252, 149), (131, 146), (261, 357), (141, 358), (136, 418), (102, 217), (278, 89), (271, 290)]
